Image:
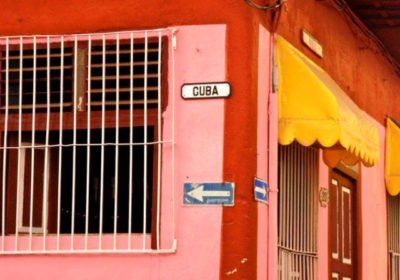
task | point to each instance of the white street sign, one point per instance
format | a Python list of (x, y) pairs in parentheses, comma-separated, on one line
[(206, 90)]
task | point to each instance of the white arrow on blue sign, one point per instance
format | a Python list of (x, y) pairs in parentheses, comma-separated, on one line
[(260, 190), (208, 194)]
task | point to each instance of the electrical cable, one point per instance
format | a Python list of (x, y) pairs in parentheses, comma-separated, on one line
[(277, 4)]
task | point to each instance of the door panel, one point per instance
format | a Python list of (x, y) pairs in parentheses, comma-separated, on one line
[(342, 227)]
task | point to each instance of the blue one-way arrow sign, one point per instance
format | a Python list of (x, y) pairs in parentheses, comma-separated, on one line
[(208, 194), (260, 190)]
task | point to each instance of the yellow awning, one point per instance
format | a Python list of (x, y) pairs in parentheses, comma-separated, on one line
[(313, 109), (392, 166)]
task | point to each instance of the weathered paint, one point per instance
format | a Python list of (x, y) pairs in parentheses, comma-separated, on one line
[(198, 127), (239, 225)]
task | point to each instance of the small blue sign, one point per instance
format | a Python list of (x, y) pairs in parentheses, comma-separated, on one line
[(208, 194), (261, 190)]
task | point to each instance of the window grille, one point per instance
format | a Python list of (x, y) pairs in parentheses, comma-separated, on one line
[(298, 201), (82, 141), (26, 69), (140, 64), (393, 203)]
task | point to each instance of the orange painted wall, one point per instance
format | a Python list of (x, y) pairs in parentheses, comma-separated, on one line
[(350, 57)]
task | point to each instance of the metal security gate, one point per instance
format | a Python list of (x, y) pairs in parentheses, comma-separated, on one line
[(394, 236), (298, 202)]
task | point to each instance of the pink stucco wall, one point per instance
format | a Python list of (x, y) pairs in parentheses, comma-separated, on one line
[(199, 57), (273, 188), (374, 217), (264, 61), (323, 223)]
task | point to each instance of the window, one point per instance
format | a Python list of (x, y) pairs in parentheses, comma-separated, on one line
[(82, 139)]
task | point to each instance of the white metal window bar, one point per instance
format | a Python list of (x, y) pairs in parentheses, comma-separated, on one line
[(94, 103), (298, 201), (393, 203), (23, 163)]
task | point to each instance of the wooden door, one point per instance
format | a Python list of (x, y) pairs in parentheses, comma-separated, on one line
[(342, 227)]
